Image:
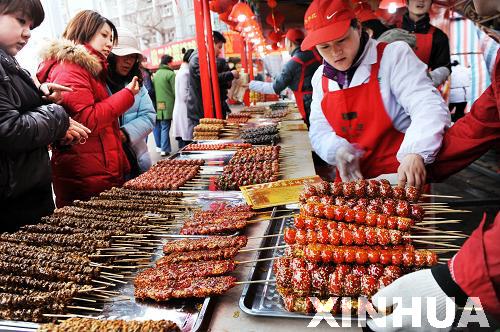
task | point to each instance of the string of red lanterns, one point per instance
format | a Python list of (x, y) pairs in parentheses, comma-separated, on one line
[(240, 17)]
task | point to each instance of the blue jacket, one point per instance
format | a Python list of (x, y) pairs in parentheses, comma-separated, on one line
[(138, 122)]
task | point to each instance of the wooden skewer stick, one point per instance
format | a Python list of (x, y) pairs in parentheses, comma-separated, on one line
[(180, 236), (114, 280), (446, 211), (257, 260), (108, 292), (84, 299), (255, 282), (434, 218), (101, 297), (437, 207), (142, 260), (432, 237), (59, 315), (432, 203), (95, 289), (130, 267), (103, 283), (113, 274), (439, 196), (433, 230), (83, 308), (264, 248), (437, 243), (439, 222)]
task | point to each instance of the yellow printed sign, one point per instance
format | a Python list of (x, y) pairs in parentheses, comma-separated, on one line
[(277, 193)]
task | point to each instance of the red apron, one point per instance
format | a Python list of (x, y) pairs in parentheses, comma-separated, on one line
[(424, 45), (299, 93), (358, 114)]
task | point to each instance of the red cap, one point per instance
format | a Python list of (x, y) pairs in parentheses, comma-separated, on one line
[(294, 35), (326, 20), (364, 12)]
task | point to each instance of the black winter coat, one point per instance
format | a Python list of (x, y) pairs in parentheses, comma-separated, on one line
[(27, 127), (195, 102)]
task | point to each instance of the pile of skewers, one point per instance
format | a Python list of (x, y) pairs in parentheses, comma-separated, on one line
[(95, 325), (261, 135), (191, 268), (237, 118), (222, 220), (207, 131), (214, 129), (49, 269), (254, 109), (274, 114), (250, 166), (166, 175), (349, 240), (216, 147)]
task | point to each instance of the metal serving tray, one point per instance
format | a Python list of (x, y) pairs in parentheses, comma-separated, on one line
[(262, 299), (188, 314)]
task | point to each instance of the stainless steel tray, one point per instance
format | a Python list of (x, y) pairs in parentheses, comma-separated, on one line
[(187, 314), (262, 299)]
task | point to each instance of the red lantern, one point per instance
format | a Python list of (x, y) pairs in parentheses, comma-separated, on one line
[(224, 17), (275, 19), (272, 3), (241, 12), (275, 36), (275, 47), (220, 6)]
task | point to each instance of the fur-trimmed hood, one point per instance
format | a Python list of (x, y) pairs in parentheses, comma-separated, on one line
[(63, 50)]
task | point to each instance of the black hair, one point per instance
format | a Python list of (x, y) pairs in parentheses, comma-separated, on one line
[(187, 55), (118, 81), (376, 26), (166, 59), (354, 23), (219, 37), (29, 8)]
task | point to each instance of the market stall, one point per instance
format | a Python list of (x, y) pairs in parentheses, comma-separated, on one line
[(171, 244)]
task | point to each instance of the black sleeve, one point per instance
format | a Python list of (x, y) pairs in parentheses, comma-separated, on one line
[(23, 131), (287, 76), (440, 52), (443, 277), (226, 77), (194, 67)]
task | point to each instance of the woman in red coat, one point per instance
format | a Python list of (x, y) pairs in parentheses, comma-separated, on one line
[(79, 61)]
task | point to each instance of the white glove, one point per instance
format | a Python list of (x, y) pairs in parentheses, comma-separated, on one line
[(347, 162), (419, 285), (439, 75), (262, 87)]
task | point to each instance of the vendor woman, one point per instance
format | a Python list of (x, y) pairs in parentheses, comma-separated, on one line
[(374, 110)]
